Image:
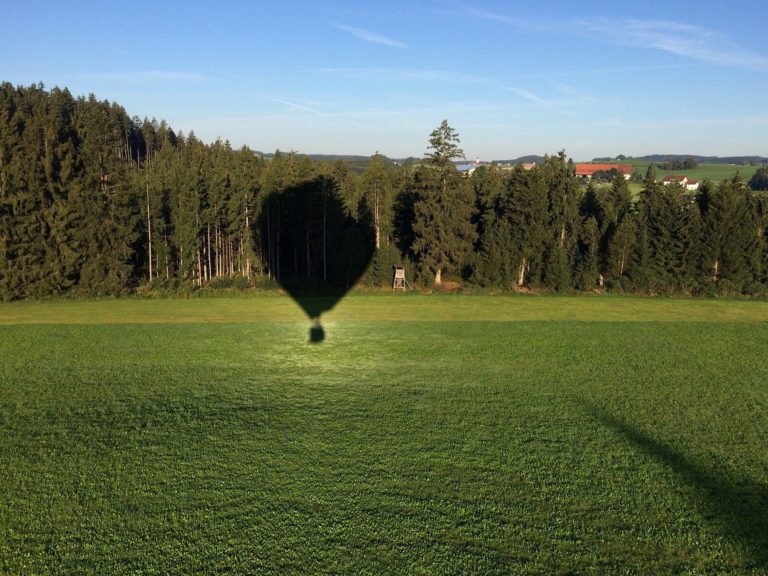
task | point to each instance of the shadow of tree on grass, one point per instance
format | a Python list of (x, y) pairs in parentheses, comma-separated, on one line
[(739, 504)]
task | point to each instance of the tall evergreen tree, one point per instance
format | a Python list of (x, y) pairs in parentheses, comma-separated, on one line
[(526, 211), (728, 234), (443, 232), (564, 222)]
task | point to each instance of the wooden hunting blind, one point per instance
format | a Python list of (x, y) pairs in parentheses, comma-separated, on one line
[(398, 280)]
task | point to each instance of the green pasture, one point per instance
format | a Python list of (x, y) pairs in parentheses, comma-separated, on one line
[(713, 172), (425, 435)]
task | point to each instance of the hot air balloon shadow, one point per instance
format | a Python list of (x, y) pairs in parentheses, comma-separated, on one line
[(313, 246)]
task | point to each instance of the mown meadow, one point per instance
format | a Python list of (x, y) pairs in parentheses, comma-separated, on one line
[(712, 172), (425, 435)]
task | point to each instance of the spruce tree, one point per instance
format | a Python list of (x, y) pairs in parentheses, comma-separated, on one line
[(728, 234), (443, 232), (526, 211), (564, 222)]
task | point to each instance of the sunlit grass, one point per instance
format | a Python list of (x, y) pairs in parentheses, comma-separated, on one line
[(383, 307), (549, 435)]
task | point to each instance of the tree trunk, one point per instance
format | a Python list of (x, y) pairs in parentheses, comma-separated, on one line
[(167, 264), (208, 251), (521, 273), (217, 248), (149, 233), (231, 256), (247, 268), (199, 269)]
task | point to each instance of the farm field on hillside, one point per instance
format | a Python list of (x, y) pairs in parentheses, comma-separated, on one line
[(441, 434), (713, 172)]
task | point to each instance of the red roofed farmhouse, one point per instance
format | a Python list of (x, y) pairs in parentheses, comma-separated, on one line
[(587, 170)]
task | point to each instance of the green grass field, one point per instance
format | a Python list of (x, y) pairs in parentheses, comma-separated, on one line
[(425, 435), (713, 172)]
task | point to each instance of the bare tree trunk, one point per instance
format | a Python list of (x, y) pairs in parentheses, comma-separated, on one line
[(216, 254), (208, 251), (241, 257), (248, 232), (149, 233), (231, 246), (199, 268), (167, 264), (521, 273)]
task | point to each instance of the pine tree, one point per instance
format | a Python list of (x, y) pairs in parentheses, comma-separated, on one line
[(443, 232), (588, 274), (564, 222), (728, 234), (650, 175), (377, 199), (494, 245), (526, 211)]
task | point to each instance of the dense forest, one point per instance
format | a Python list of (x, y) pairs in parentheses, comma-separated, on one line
[(95, 202)]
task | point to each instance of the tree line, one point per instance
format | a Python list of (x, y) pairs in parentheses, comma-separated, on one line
[(95, 202)]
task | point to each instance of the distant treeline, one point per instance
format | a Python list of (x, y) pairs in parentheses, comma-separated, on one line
[(95, 202), (680, 159)]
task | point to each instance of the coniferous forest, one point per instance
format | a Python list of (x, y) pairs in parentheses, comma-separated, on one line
[(95, 202)]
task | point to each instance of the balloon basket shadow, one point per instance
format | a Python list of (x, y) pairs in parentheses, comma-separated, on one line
[(316, 332)]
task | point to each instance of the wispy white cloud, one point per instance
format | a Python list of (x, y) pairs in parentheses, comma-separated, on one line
[(575, 93), (400, 75), (682, 39), (370, 37), (495, 17), (687, 40), (376, 74), (293, 106), (530, 96)]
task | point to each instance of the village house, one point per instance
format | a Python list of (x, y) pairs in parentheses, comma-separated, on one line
[(682, 180)]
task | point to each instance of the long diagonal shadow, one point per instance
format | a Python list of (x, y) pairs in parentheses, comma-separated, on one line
[(739, 504)]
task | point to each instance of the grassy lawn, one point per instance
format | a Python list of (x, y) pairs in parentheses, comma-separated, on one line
[(425, 435)]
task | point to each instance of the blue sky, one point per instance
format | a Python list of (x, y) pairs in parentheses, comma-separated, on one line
[(513, 78)]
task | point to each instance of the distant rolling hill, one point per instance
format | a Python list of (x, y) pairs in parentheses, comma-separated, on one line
[(659, 158)]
